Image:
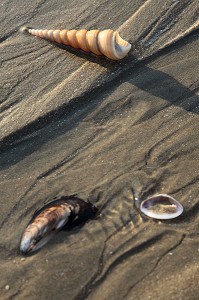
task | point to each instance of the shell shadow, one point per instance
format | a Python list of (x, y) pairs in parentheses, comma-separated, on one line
[(89, 56)]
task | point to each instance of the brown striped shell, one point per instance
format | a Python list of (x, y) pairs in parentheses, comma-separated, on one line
[(105, 42), (59, 214)]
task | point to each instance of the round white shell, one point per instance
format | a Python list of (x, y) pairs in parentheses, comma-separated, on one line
[(162, 207)]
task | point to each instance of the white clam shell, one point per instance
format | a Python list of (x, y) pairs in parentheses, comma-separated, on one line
[(161, 207)]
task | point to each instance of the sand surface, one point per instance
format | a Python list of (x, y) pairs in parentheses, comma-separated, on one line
[(74, 123)]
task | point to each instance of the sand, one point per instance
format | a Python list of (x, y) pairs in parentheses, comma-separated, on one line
[(74, 123)]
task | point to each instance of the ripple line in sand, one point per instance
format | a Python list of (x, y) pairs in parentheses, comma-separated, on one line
[(134, 15), (87, 289), (191, 29), (156, 264)]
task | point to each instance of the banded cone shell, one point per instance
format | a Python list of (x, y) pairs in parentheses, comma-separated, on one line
[(106, 42)]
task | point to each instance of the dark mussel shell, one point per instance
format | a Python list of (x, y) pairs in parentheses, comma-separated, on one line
[(62, 213)]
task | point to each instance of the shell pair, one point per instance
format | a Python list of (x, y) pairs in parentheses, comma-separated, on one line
[(70, 211), (100, 42)]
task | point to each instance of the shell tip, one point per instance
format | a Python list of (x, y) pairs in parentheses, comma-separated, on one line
[(25, 29)]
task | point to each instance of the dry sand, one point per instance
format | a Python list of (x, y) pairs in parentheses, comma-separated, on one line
[(75, 123)]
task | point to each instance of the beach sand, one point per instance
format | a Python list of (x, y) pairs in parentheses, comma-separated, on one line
[(74, 123)]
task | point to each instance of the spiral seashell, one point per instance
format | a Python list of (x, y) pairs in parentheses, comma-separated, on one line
[(106, 42), (57, 215)]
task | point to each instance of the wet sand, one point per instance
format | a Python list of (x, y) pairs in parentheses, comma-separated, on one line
[(74, 123)]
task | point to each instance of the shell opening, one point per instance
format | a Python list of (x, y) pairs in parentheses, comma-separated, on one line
[(122, 47)]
